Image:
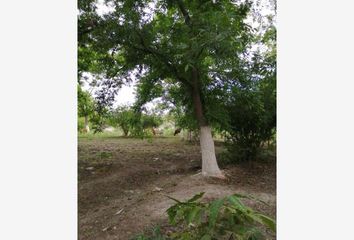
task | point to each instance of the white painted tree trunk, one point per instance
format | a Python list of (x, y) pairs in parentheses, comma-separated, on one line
[(210, 166)]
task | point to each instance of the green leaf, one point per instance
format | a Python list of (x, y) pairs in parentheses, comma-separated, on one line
[(253, 234), (214, 211), (174, 199), (196, 197), (267, 221), (183, 46), (172, 214), (192, 214), (206, 237), (236, 202)]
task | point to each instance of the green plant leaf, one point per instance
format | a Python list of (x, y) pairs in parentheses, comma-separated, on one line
[(253, 234), (172, 213), (196, 197), (214, 209), (267, 221), (174, 199), (193, 214), (236, 202)]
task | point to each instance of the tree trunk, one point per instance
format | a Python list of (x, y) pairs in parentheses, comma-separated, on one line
[(87, 128), (210, 166)]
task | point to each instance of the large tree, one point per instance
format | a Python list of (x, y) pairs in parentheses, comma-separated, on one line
[(196, 45)]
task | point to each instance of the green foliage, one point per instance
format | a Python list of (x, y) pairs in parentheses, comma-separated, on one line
[(89, 108), (99, 119), (150, 121), (104, 155), (184, 118), (145, 125), (135, 123), (86, 108), (225, 218), (195, 55), (85, 103), (99, 135), (192, 45), (252, 108), (252, 122), (80, 123)]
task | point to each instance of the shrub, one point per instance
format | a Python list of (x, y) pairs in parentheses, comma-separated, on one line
[(252, 122), (225, 218)]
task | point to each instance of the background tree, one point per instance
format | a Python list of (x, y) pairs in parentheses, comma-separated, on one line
[(85, 105)]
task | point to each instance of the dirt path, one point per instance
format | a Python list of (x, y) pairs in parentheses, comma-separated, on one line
[(122, 183)]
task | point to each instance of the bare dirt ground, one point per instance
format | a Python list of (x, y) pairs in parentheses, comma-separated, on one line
[(123, 183)]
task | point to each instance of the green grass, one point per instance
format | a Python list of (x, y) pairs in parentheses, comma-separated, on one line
[(92, 135)]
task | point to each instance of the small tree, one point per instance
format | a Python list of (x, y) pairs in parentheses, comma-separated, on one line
[(123, 117)]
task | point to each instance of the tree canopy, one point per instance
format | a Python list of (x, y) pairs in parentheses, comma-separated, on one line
[(194, 45)]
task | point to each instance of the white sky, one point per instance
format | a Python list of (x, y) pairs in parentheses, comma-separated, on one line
[(126, 95)]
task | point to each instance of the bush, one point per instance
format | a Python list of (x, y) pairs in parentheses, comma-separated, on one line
[(252, 122)]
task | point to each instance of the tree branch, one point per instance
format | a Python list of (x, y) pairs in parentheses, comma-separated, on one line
[(185, 14), (160, 57)]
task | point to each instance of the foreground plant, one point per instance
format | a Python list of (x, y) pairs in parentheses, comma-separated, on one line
[(225, 218)]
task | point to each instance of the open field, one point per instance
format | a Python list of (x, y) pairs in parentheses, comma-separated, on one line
[(123, 183)]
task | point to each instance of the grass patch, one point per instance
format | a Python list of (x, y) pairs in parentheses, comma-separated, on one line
[(104, 155)]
